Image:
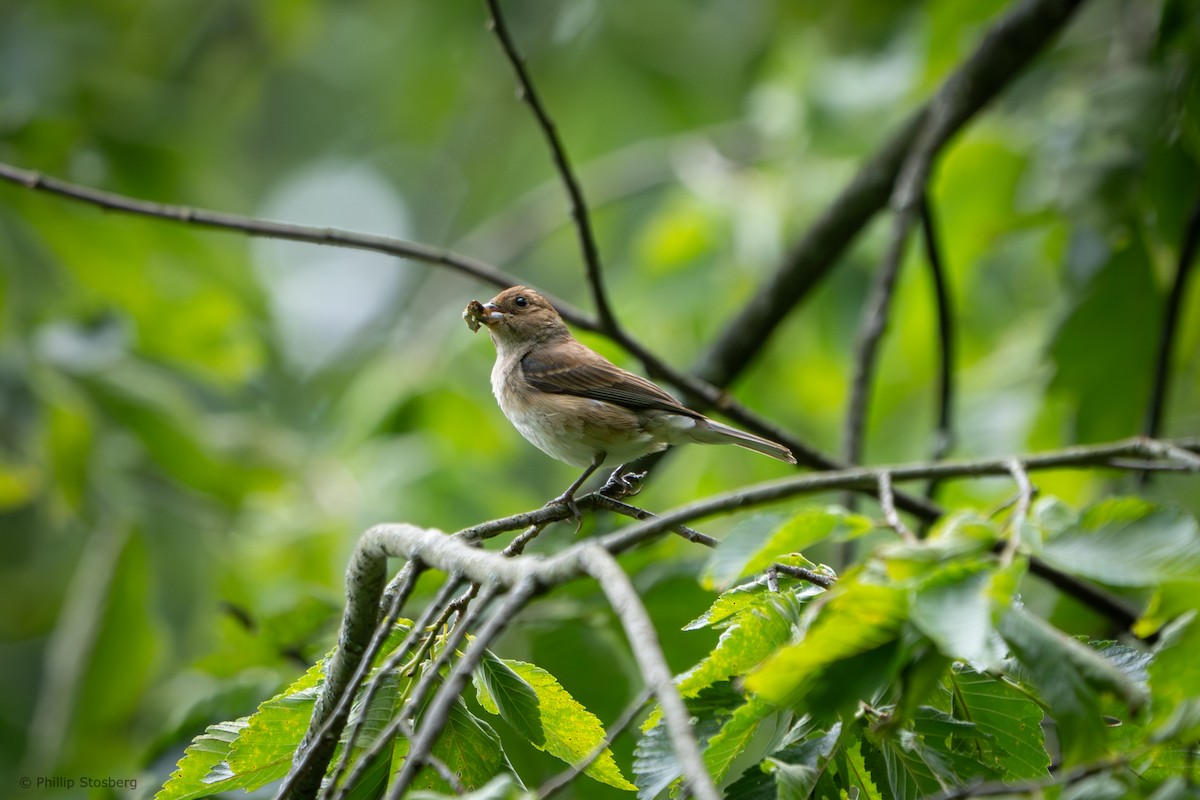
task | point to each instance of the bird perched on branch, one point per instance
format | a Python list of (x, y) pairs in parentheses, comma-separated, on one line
[(575, 405)]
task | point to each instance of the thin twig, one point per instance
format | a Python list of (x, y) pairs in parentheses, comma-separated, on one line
[(347, 667), (455, 606), (801, 573), (564, 778), (1020, 510), (643, 641), (944, 432), (517, 546), (1156, 407), (436, 716), (417, 695), (887, 502), (448, 588), (618, 507), (562, 163)]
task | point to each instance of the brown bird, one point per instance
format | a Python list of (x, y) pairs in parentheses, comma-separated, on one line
[(575, 405)]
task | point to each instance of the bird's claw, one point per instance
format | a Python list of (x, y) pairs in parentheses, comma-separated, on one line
[(568, 499), (621, 485)]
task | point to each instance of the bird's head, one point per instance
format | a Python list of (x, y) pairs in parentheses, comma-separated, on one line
[(517, 315)]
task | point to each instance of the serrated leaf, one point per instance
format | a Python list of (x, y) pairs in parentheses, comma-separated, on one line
[(654, 764), (859, 620), (1070, 677), (1012, 723), (855, 773), (1129, 543), (733, 601), (903, 767), (469, 747), (729, 743), (753, 635), (200, 759), (247, 753), (531, 700), (502, 691)]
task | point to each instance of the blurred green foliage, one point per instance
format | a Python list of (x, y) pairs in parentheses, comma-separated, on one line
[(194, 427)]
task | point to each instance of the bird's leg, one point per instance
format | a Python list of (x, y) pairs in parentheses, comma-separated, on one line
[(567, 498), (622, 484)]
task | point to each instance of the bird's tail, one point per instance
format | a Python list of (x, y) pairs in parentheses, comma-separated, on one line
[(712, 432)]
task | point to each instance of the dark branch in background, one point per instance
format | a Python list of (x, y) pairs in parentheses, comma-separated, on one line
[(579, 209), (944, 116), (1170, 325), (1006, 49), (944, 432)]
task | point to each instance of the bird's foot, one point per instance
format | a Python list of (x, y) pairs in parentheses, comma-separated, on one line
[(622, 484), (567, 499)]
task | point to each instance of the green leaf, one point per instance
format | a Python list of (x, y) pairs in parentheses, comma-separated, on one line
[(733, 738), (851, 641), (502, 691), (757, 542), (247, 753), (531, 700), (502, 787), (1070, 677), (1129, 543), (748, 639), (1174, 673), (901, 763), (654, 764), (202, 759), (790, 772), (469, 747), (954, 609), (1012, 723)]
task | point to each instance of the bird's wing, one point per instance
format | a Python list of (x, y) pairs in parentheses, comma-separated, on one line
[(572, 368)]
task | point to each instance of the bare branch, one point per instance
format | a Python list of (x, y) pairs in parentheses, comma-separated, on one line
[(1020, 511), (579, 209), (416, 697), (393, 661), (347, 667), (251, 226), (643, 641), (887, 501), (435, 717)]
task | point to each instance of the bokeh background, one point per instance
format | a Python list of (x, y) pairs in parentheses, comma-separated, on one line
[(194, 426)]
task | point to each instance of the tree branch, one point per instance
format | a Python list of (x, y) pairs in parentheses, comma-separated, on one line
[(1170, 325), (579, 209), (252, 226), (944, 431), (643, 641), (1010, 44), (435, 717)]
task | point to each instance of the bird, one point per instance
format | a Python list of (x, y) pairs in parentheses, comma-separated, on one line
[(578, 407)]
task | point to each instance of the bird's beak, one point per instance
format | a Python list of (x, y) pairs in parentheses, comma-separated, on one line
[(477, 313)]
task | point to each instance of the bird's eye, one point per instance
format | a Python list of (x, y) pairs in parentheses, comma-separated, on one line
[(521, 301)]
